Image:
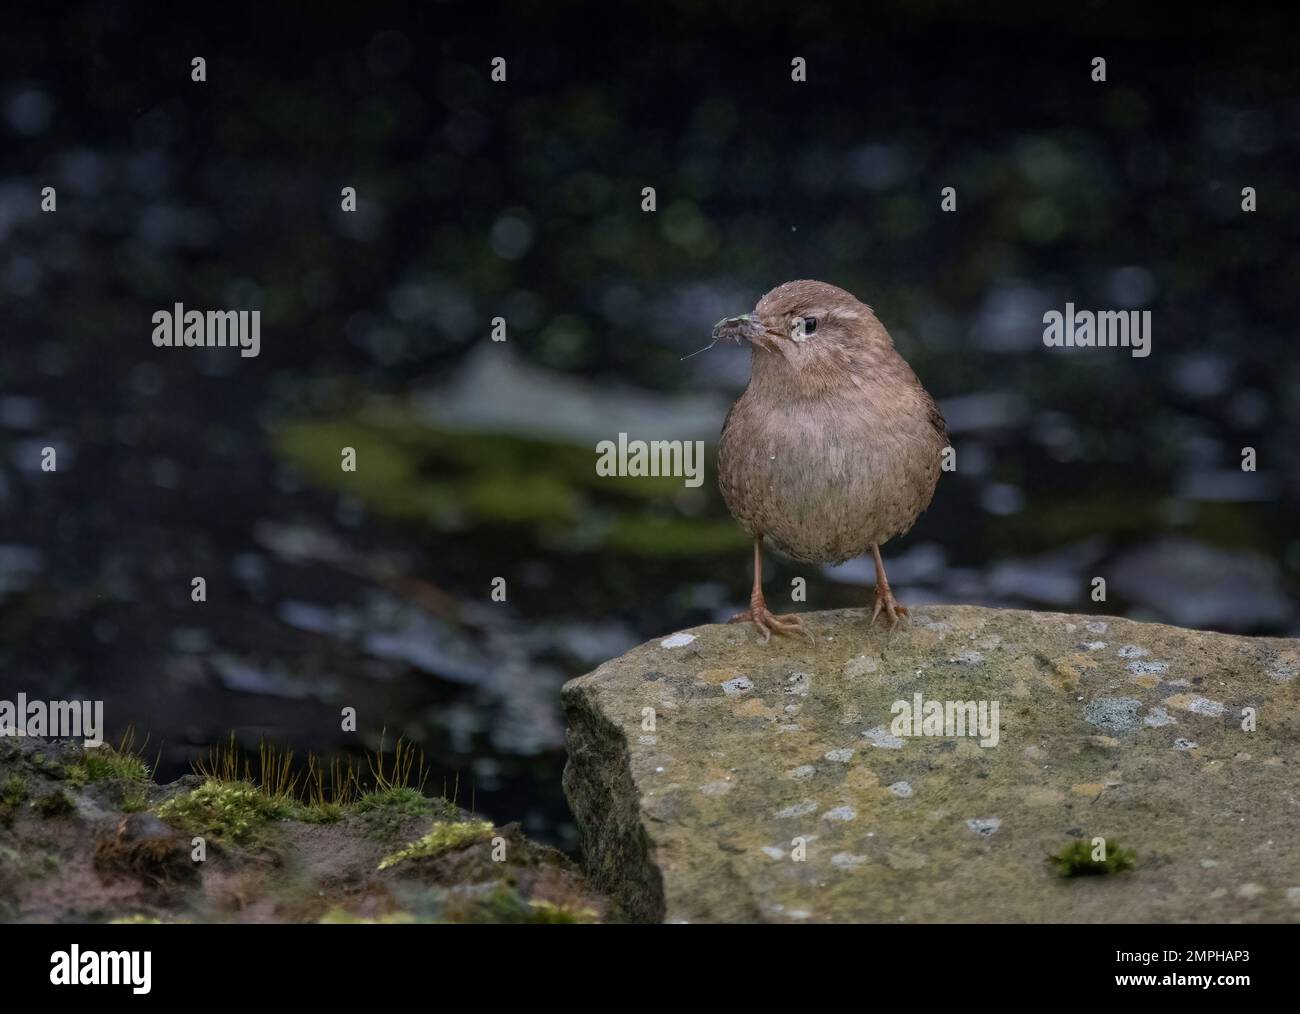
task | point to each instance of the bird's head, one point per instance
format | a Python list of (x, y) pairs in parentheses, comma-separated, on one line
[(805, 324)]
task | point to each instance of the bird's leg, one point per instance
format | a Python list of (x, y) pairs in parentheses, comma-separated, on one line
[(759, 614), (884, 597)]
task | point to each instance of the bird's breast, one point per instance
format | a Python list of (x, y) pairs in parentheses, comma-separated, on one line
[(826, 480)]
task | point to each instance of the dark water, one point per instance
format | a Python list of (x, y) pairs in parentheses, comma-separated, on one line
[(372, 591)]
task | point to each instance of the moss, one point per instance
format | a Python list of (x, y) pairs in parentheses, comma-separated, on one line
[(386, 813), (48, 765), (319, 813), (139, 919), (504, 480), (13, 793), (134, 799), (407, 799), (501, 903), (1075, 860), (519, 499), (550, 913), (104, 763), (339, 916), (392, 485), (57, 804), (231, 811), (13, 790), (443, 838)]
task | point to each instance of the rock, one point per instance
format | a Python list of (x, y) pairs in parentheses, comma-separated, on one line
[(806, 797), (124, 849)]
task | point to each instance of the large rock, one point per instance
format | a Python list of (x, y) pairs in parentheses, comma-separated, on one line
[(698, 761)]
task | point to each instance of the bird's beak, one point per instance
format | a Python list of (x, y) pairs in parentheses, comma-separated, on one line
[(745, 327)]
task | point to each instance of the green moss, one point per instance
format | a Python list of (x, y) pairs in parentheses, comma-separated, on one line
[(13, 790), (339, 916), (48, 766), (550, 913), (492, 486), (1075, 860), (498, 904), (385, 814), (501, 480), (134, 799), (406, 799), (519, 499), (139, 919), (57, 804), (319, 813), (443, 838), (503, 904), (388, 478), (225, 810), (104, 763)]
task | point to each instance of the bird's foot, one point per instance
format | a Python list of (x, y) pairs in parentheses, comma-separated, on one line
[(767, 622), (885, 602)]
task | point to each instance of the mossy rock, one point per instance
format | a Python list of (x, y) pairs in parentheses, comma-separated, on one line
[(774, 785), (231, 811), (265, 858), (444, 837), (104, 763)]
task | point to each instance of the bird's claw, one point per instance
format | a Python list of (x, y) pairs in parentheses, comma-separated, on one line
[(892, 610), (766, 621)]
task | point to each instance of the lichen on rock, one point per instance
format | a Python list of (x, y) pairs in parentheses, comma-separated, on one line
[(807, 798)]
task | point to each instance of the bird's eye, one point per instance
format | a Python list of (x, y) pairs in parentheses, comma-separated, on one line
[(802, 327)]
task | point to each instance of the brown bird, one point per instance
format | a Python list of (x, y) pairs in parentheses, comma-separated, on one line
[(834, 448)]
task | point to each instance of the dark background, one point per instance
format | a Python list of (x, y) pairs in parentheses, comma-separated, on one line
[(522, 200)]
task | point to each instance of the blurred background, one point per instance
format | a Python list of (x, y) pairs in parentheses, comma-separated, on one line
[(523, 200)]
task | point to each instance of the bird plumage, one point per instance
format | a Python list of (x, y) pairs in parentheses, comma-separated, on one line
[(835, 447)]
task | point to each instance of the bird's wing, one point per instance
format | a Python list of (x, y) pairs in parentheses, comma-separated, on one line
[(727, 421), (936, 418)]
